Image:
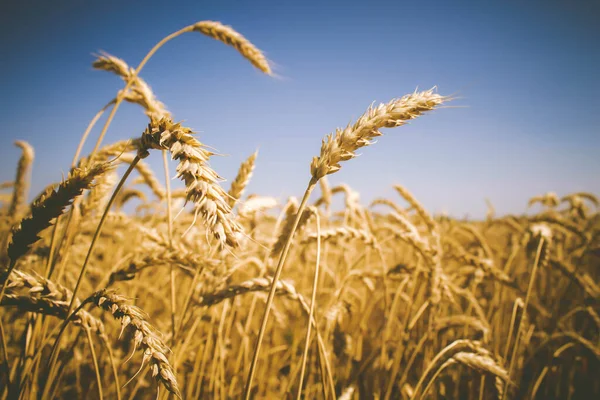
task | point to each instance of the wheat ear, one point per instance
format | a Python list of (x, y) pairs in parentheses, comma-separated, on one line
[(228, 35), (241, 180), (21, 185), (49, 206), (145, 336), (201, 181), (342, 145)]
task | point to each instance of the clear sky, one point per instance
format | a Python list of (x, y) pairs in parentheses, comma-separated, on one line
[(527, 74)]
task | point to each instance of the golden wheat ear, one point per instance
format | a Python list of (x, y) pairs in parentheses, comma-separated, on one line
[(228, 35), (21, 184), (146, 337), (241, 180), (50, 205), (201, 181)]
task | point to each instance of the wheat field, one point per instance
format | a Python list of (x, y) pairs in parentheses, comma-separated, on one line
[(115, 286)]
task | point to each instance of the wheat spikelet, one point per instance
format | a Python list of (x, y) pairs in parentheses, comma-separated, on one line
[(155, 257), (200, 180), (413, 240), (446, 355), (127, 194), (549, 200), (241, 180), (387, 202), (345, 232), (481, 363), (460, 321), (55, 308), (291, 210), (112, 150), (582, 279), (325, 194), (21, 184), (421, 211), (342, 145), (6, 185), (484, 264), (410, 234), (145, 336), (352, 197), (139, 91), (141, 94), (484, 364), (254, 204), (251, 285), (110, 63), (577, 205), (46, 297), (99, 194), (347, 393), (229, 36)]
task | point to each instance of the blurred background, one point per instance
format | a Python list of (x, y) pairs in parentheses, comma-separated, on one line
[(525, 75)]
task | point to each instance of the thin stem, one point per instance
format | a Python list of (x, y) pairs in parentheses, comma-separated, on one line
[(404, 339), (5, 353), (279, 268), (88, 130), (511, 327), (54, 375), (95, 361), (170, 237), (113, 367), (527, 297), (9, 270), (25, 374), (50, 261), (312, 308), (188, 298)]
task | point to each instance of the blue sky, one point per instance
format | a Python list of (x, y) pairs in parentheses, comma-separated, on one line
[(526, 74)]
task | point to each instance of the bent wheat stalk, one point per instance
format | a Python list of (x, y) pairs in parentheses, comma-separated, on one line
[(336, 148), (212, 29), (541, 259)]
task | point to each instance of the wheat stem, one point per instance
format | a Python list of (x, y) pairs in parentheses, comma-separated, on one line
[(313, 300), (278, 269), (538, 255), (170, 238), (95, 362)]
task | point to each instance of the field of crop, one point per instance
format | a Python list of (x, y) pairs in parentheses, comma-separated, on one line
[(115, 286)]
